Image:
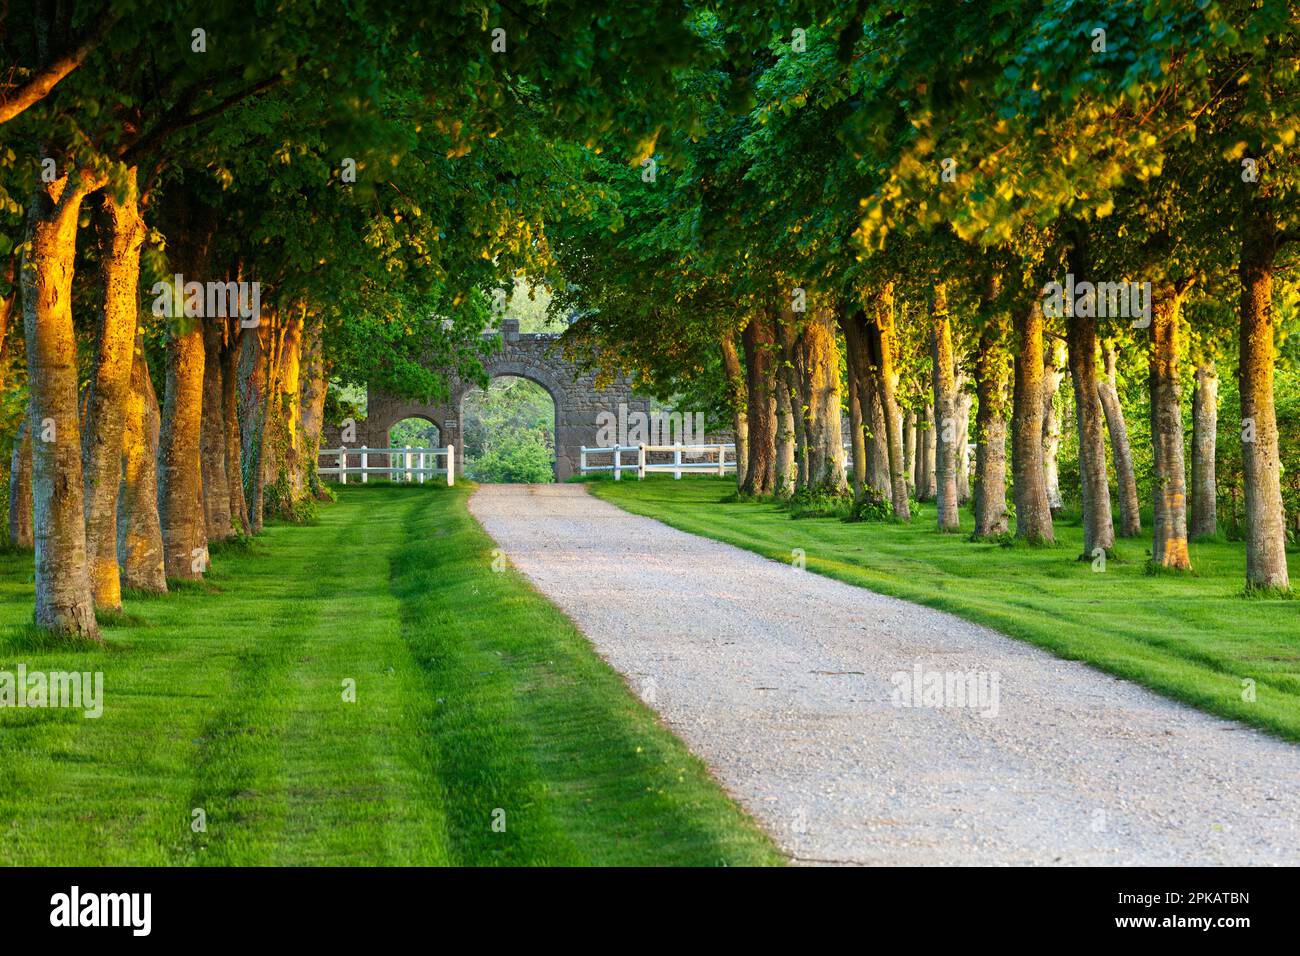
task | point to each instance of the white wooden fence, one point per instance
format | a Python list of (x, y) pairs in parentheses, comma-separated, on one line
[(635, 458), (404, 464)]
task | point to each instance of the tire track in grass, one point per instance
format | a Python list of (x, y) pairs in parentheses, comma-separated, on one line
[(472, 734), (238, 772), (356, 790)]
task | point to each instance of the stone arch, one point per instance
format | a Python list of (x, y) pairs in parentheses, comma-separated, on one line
[(578, 398)]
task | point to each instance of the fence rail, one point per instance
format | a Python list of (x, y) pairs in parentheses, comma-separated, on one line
[(642, 464), (412, 464)]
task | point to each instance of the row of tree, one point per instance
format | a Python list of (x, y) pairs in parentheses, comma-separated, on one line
[(880, 228), (207, 214)]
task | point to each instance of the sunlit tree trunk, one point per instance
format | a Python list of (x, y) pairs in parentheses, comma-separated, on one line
[(121, 236), (736, 399), (1205, 432), (791, 371), (1265, 520), (139, 528), (64, 602), (1033, 510), (1130, 518), (1169, 544), (290, 411)]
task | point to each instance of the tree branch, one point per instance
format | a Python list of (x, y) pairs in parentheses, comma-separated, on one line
[(184, 120), (39, 86)]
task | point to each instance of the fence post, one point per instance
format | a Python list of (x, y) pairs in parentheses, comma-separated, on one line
[(451, 465), (421, 466), (582, 460), (618, 465), (640, 460), (677, 461), (722, 458), (343, 465), (365, 465)]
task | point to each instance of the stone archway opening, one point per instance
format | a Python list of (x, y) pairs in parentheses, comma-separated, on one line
[(508, 432), (418, 431)]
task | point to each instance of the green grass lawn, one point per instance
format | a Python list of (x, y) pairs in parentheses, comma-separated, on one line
[(1192, 637), (473, 694)]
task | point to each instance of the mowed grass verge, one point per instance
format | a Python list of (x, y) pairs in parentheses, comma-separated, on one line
[(1193, 637), (477, 702)]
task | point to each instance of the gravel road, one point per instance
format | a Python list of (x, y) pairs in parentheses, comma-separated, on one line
[(791, 686)]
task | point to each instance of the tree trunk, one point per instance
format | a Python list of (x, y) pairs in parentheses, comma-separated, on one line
[(64, 602), (1205, 431), (736, 398), (212, 437), (1130, 517), (877, 442), (1169, 520), (1054, 369), (1033, 510), (121, 236), (820, 360), (759, 342), (857, 365), (6, 316), (792, 373), (312, 402), (230, 418), (1265, 521), (21, 534), (255, 347), (909, 447), (139, 528), (180, 485), (784, 472), (282, 467), (962, 443), (1081, 347), (857, 431), (945, 413), (882, 344), (925, 483), (991, 432)]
